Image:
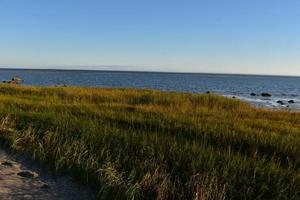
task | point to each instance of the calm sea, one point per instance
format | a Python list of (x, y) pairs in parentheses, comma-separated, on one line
[(239, 86)]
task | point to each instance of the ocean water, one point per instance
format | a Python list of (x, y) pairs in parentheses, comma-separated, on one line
[(240, 86)]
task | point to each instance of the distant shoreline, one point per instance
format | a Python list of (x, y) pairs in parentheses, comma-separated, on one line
[(153, 72)]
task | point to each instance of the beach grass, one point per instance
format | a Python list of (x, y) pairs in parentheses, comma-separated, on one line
[(148, 144)]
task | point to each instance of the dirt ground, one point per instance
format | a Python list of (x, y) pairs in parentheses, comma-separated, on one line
[(20, 179)]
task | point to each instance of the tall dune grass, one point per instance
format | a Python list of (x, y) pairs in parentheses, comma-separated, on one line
[(146, 144)]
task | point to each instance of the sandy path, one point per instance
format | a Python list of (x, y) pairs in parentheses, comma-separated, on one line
[(42, 185)]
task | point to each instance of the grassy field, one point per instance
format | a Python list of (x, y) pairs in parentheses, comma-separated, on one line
[(145, 144)]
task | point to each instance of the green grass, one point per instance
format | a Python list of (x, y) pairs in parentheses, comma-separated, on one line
[(145, 144)]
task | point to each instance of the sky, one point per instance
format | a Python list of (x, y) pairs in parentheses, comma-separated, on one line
[(214, 36)]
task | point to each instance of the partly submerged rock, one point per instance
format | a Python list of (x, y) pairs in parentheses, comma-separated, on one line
[(265, 94), (291, 101), (45, 186), (207, 92), (280, 102), (252, 94), (26, 174)]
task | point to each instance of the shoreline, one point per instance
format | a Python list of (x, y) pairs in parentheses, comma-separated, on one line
[(271, 104), (282, 88), (257, 101)]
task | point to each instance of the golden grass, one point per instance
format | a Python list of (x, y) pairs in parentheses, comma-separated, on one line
[(146, 144)]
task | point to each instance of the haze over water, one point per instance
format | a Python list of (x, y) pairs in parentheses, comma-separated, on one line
[(240, 86)]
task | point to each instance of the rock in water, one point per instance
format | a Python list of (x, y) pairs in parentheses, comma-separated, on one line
[(291, 101), (253, 94), (280, 102), (26, 174), (265, 94), (45, 186)]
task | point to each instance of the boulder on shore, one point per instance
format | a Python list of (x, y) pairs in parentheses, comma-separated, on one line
[(7, 163), (265, 94)]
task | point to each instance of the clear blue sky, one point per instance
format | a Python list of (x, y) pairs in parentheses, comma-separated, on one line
[(223, 36)]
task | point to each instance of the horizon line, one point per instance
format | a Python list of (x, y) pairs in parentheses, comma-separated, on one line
[(65, 68)]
